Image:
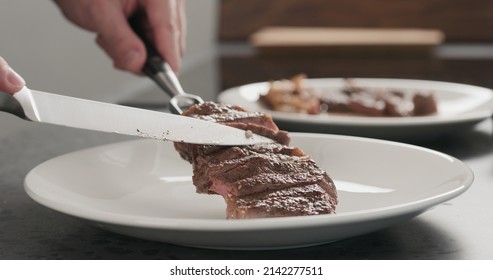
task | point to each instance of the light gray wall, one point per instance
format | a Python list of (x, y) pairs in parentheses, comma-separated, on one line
[(54, 55)]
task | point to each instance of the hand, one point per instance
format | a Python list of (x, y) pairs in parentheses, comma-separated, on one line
[(10, 81), (109, 20)]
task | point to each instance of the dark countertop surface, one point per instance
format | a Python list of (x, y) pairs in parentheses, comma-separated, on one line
[(461, 228)]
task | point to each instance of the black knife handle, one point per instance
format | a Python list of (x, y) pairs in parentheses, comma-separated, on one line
[(155, 66)]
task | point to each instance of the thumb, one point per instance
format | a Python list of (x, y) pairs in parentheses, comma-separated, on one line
[(10, 81)]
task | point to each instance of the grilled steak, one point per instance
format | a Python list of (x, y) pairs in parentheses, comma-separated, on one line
[(235, 116), (268, 180), (289, 95), (295, 201)]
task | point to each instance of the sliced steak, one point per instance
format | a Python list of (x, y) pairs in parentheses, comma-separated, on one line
[(264, 172), (210, 165), (258, 123), (295, 201), (268, 180)]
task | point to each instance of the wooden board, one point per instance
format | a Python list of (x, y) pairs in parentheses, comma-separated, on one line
[(278, 40), (460, 20)]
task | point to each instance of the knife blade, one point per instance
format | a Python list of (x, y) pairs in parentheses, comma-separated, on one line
[(68, 111)]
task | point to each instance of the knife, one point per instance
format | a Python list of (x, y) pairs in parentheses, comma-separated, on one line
[(62, 110)]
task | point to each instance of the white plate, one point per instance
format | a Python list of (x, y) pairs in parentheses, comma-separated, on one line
[(143, 189), (460, 106)]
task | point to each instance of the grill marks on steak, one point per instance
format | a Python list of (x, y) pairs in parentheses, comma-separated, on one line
[(211, 165), (266, 172), (268, 180)]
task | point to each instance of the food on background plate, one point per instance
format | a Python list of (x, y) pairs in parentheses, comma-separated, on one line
[(257, 181), (292, 96)]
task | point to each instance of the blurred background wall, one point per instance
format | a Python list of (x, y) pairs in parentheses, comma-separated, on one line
[(460, 20)]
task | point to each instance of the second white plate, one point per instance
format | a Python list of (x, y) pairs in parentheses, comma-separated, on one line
[(143, 189), (460, 106)]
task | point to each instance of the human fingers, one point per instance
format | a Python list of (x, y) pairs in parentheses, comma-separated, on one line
[(165, 23), (10, 81), (108, 19), (182, 26), (118, 40)]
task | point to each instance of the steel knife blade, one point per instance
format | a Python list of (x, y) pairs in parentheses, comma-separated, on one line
[(68, 111)]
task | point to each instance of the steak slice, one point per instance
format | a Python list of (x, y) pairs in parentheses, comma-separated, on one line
[(221, 113), (296, 201), (258, 123), (210, 165), (256, 181), (264, 172)]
